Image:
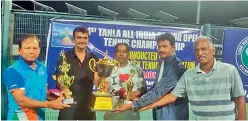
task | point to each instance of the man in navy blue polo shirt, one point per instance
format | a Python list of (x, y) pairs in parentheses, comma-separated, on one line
[(26, 82)]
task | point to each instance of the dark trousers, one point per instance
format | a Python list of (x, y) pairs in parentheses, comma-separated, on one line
[(77, 112)]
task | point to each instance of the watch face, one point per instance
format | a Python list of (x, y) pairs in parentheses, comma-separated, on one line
[(133, 108)]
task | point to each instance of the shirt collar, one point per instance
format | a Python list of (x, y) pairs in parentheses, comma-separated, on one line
[(129, 63), (25, 65), (168, 59), (75, 55), (198, 69)]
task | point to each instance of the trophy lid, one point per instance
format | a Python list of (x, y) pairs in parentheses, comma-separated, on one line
[(106, 60)]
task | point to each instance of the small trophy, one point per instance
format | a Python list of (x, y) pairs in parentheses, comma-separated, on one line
[(65, 80), (104, 67), (129, 85)]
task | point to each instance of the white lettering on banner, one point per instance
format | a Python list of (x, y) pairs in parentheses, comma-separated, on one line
[(242, 68), (189, 37), (145, 35), (179, 45), (111, 42), (109, 32), (241, 47), (143, 44), (91, 30), (245, 42), (128, 34), (149, 83), (245, 91), (178, 36), (240, 50)]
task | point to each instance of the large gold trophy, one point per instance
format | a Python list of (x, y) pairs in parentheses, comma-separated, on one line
[(104, 67), (65, 80)]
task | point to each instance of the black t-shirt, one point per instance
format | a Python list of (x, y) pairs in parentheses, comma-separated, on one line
[(82, 86)]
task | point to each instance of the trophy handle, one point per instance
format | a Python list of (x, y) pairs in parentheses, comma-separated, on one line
[(55, 78), (60, 67), (72, 79), (118, 66), (59, 80), (91, 68)]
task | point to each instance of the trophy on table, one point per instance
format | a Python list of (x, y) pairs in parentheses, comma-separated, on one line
[(104, 67), (65, 80)]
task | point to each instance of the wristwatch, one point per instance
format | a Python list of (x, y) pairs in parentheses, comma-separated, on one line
[(133, 108)]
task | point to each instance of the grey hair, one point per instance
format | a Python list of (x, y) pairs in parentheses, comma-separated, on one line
[(204, 38)]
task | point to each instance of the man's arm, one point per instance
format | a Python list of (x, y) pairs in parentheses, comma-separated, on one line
[(178, 91), (16, 87), (237, 93), (241, 107), (167, 83), (164, 101), (26, 102)]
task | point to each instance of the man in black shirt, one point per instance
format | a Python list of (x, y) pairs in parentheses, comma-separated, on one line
[(82, 87)]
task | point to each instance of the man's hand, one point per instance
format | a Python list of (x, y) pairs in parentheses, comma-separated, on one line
[(122, 108), (62, 93), (57, 104), (134, 95)]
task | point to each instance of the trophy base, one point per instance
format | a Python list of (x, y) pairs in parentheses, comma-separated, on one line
[(68, 101), (103, 102)]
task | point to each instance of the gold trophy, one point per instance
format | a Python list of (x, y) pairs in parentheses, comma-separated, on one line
[(104, 67), (65, 80), (130, 84)]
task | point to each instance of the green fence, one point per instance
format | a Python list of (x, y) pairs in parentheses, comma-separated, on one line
[(24, 22)]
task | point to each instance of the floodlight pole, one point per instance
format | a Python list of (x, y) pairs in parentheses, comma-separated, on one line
[(198, 12), (6, 11)]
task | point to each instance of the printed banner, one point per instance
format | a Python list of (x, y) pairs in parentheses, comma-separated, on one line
[(105, 35), (235, 52)]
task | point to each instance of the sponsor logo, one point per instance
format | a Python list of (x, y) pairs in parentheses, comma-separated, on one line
[(241, 56)]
